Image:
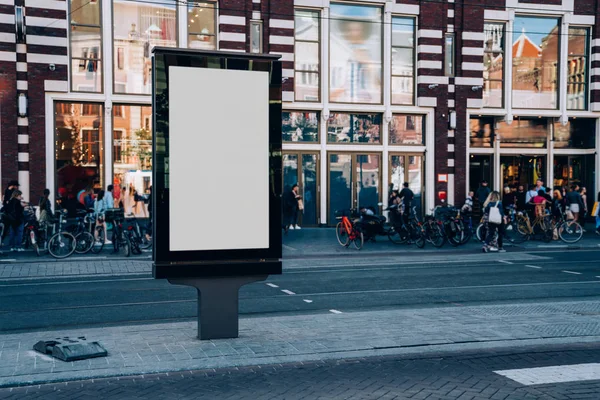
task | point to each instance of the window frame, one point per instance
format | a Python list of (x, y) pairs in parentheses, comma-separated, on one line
[(98, 60), (423, 130), (587, 58), (214, 5), (485, 51), (356, 113), (414, 60), (318, 42)]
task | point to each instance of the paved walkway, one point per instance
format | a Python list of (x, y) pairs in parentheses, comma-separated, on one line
[(142, 349)]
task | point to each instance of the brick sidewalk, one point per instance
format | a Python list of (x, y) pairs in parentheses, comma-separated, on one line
[(143, 349)]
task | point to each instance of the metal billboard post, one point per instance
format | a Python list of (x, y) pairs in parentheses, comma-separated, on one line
[(227, 167)]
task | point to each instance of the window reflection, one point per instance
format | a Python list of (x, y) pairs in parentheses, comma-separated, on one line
[(79, 153), (523, 132), (493, 65), (353, 128), (535, 62), (86, 46), (579, 133), (137, 28), (577, 69), (300, 126), (306, 78), (407, 129), (201, 26), (482, 132), (355, 54), (403, 65)]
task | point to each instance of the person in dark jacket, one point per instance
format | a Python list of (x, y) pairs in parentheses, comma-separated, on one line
[(520, 198), (14, 218), (483, 192), (46, 216), (12, 186), (290, 208)]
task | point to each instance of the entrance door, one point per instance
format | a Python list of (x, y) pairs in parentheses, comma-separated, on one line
[(302, 169), (576, 170), (480, 169), (408, 168), (522, 170), (354, 182)]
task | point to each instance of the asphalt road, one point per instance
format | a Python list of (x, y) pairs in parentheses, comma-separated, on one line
[(464, 376), (311, 286)]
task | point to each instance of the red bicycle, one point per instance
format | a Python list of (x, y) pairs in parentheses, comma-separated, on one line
[(347, 231)]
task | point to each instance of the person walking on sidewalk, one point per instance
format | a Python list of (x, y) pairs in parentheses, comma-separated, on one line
[(290, 208), (598, 215), (99, 212), (584, 211), (14, 218), (495, 217)]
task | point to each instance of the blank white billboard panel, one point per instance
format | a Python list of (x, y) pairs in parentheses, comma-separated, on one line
[(218, 159)]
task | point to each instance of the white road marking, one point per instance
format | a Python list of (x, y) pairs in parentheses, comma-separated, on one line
[(555, 374), (553, 246), (533, 266), (287, 291), (285, 246), (335, 311), (9, 260), (307, 301), (506, 262), (571, 272), (272, 285)]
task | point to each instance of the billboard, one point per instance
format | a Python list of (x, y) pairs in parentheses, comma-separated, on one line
[(217, 164)]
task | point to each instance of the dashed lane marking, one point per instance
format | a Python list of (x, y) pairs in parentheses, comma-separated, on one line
[(572, 272), (307, 301), (9, 260), (554, 374), (506, 262), (287, 291), (533, 266), (335, 311), (272, 285)]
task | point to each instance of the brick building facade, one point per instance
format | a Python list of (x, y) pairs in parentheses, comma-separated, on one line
[(439, 94)]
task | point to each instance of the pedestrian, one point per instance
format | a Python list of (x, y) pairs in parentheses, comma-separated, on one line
[(483, 191), (584, 212), (406, 197), (509, 200), (88, 199), (540, 203), (494, 214), (108, 197), (539, 185), (574, 201), (520, 198), (531, 193), (290, 208), (99, 213), (137, 200), (12, 186), (598, 215), (13, 214), (467, 208), (45, 206)]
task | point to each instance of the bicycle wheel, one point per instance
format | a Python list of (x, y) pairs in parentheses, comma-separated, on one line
[(417, 235), (481, 232), (124, 245), (399, 234), (514, 234), (98, 245), (146, 239), (455, 232), (358, 240), (435, 235), (135, 244), (85, 241), (570, 232), (341, 234), (62, 245)]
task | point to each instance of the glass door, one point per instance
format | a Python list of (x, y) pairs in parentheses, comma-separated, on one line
[(408, 168), (303, 169), (481, 168), (354, 182), (522, 170)]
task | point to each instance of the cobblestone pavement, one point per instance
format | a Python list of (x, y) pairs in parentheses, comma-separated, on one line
[(74, 268), (441, 376), (143, 349)]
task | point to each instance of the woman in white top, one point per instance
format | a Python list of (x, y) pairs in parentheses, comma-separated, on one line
[(99, 210)]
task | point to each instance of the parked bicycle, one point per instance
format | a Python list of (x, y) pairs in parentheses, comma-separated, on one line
[(120, 239), (347, 231), (81, 231)]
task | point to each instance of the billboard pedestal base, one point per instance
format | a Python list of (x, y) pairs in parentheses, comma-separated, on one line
[(218, 300)]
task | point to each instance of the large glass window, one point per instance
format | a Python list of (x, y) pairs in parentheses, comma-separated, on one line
[(86, 46), (407, 129), (535, 62), (137, 28), (132, 155), (481, 132), (577, 82), (79, 153), (403, 60), (493, 65), (307, 65), (353, 128), (523, 132), (355, 54), (299, 126), (579, 133), (201, 19)]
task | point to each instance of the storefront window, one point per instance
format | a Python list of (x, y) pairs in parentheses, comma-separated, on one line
[(79, 153), (137, 28), (86, 46), (132, 155), (535, 63), (522, 170), (482, 132), (493, 65), (577, 69), (579, 133), (407, 129), (201, 19), (353, 128), (575, 170), (300, 126), (523, 132), (355, 54), (307, 47), (403, 60)]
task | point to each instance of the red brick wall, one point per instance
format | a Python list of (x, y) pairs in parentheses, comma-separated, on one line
[(8, 98)]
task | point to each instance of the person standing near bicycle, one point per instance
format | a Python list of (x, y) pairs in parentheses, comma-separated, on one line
[(45, 206), (575, 202), (493, 212), (290, 208), (406, 196), (13, 215), (99, 213)]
